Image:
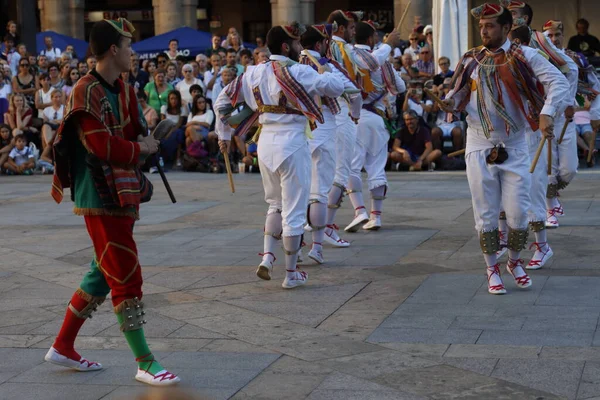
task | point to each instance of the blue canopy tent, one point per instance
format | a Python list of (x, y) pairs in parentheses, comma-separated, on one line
[(191, 42), (61, 41)]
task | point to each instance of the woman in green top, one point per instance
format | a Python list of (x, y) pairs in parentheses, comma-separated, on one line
[(158, 91)]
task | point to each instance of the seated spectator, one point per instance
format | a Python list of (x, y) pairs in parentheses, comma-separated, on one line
[(82, 68), (52, 117), (211, 76), (55, 80), (138, 78), (215, 47), (232, 62), (65, 69), (150, 69), (70, 82), (173, 48), (172, 77), (51, 52), (425, 64), (65, 59), (70, 50), (198, 125), (583, 42), (263, 56), (235, 42), (21, 160), (11, 31), (227, 76), (202, 64), (187, 82), (42, 63), (16, 59), (19, 118), (251, 157), (245, 58), (91, 62), (24, 82), (408, 72), (172, 143), (33, 65), (158, 91), (43, 97), (445, 71), (149, 113), (585, 133), (5, 88), (194, 91), (223, 55), (414, 101), (444, 129), (413, 50), (6, 144), (412, 146)]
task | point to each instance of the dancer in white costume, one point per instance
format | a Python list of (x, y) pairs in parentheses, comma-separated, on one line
[(322, 145), (503, 87), (370, 151), (344, 53), (281, 93)]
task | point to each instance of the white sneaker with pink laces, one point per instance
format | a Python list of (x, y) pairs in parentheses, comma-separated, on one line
[(300, 278), (332, 238)]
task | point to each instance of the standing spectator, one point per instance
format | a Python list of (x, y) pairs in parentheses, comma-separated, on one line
[(51, 52), (70, 82), (55, 80), (33, 64), (150, 114), (172, 77), (43, 97), (414, 47), (65, 70), (202, 61), (11, 30), (245, 58), (235, 43), (162, 60), (9, 49), (428, 32), (445, 71), (42, 64), (408, 72), (21, 160), (70, 50), (158, 91), (583, 42), (16, 58), (412, 146), (172, 144), (223, 55), (260, 41), (150, 70), (6, 144), (173, 47), (65, 58), (227, 75), (198, 125), (24, 83), (52, 115), (186, 83), (232, 62), (91, 62), (425, 63), (215, 45), (263, 56), (211, 76), (231, 31), (138, 78), (19, 118), (82, 68)]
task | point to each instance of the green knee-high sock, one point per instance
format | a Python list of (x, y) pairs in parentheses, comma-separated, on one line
[(137, 343)]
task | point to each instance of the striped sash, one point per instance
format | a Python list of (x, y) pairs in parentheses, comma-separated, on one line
[(331, 103)]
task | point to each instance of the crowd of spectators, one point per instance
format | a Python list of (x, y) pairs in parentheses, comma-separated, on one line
[(34, 89)]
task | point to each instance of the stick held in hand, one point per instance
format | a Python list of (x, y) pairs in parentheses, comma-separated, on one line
[(538, 153), (229, 174), (159, 133)]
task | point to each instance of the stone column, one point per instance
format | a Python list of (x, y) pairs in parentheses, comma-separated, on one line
[(76, 22), (307, 9), (419, 8), (55, 16), (189, 13), (285, 11), (168, 15)]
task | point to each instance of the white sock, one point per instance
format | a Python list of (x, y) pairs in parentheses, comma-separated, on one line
[(273, 224), (513, 255), (552, 203), (503, 227), (292, 244), (490, 259), (318, 217), (356, 198), (333, 199), (377, 205), (541, 237)]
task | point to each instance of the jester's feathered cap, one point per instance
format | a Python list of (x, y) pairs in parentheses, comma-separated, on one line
[(294, 30), (487, 10), (123, 26), (325, 30), (512, 4), (554, 25)]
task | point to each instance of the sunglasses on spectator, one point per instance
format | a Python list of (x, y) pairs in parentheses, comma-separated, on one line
[(187, 70), (412, 38), (24, 65), (53, 69), (424, 52), (444, 63)]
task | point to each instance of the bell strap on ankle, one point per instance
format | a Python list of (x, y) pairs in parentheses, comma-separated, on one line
[(494, 270), (268, 253), (319, 243), (333, 227), (302, 273), (376, 212)]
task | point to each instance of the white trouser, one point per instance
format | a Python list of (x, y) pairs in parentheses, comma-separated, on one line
[(539, 178), (564, 155), (494, 184), (323, 165), (370, 151), (345, 141), (287, 189)]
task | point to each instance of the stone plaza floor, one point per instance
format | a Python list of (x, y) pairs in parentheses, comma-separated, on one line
[(402, 314)]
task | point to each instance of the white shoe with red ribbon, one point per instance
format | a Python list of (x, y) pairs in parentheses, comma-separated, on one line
[(542, 254), (495, 284), (551, 218), (161, 378), (332, 238), (300, 278), (515, 268), (82, 365)]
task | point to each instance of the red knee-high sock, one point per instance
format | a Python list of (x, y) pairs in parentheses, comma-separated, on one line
[(65, 340)]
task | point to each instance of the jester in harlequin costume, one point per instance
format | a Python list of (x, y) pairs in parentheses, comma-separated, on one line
[(315, 42), (99, 145)]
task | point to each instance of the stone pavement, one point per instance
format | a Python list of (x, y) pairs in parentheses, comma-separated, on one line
[(401, 314)]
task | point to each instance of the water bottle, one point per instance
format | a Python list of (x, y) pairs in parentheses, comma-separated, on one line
[(161, 162)]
